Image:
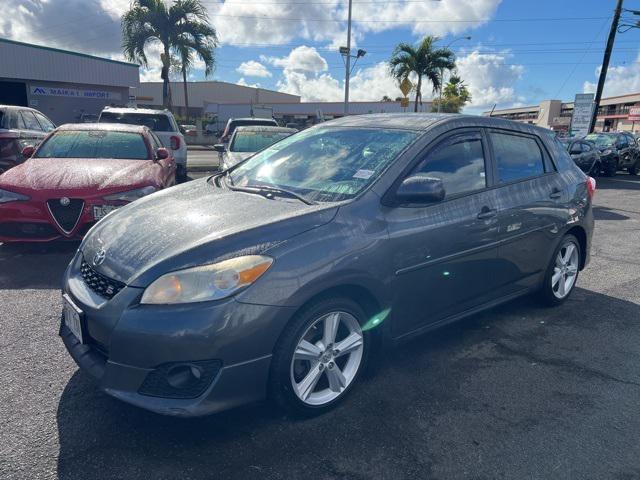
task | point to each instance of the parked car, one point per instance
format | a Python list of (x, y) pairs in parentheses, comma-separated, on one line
[(162, 123), (19, 127), (246, 141), (189, 130), (78, 175), (234, 123), (588, 157), (622, 147), (284, 272)]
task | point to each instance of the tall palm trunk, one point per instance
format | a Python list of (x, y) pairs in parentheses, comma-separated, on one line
[(186, 95), (418, 94), (166, 63)]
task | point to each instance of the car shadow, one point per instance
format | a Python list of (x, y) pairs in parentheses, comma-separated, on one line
[(387, 422), (604, 213), (621, 181), (34, 265)]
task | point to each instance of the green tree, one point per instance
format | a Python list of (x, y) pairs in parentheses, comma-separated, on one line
[(423, 61), (455, 96), (183, 30)]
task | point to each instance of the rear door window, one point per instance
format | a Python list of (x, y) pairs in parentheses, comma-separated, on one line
[(459, 162), (45, 123), (30, 121), (516, 156)]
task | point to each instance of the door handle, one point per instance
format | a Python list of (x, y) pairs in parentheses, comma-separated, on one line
[(555, 193), (487, 212)]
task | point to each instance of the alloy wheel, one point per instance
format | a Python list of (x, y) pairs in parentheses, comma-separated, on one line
[(327, 358), (565, 270)]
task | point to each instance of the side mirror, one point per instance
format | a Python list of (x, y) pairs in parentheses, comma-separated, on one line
[(27, 152), (420, 188), (162, 153), (219, 147)]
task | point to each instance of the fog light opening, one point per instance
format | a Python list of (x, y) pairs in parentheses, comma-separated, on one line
[(183, 375)]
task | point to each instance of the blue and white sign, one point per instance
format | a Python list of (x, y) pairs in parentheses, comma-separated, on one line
[(74, 93)]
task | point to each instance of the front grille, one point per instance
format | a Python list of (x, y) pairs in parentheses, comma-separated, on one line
[(103, 286), (156, 384), (27, 230), (66, 216)]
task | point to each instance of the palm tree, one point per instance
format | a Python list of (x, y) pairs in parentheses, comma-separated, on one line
[(423, 61), (182, 29)]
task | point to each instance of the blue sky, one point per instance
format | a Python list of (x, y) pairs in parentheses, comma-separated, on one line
[(521, 52)]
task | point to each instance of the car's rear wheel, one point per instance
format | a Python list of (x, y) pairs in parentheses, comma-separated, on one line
[(562, 272), (319, 357)]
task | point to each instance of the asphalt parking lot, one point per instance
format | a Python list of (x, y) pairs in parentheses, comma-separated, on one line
[(518, 392)]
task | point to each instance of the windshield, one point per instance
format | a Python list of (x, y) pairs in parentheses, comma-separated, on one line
[(601, 140), (157, 123), (255, 141), (324, 164), (94, 144)]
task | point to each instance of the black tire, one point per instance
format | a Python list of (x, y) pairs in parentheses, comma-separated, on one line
[(281, 389), (633, 170), (546, 293), (611, 169)]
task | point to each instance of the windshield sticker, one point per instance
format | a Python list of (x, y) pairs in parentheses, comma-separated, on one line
[(364, 174)]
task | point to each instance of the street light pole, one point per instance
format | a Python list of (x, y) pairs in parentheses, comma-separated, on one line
[(347, 64), (442, 71)]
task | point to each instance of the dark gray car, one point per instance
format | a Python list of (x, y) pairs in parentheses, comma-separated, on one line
[(278, 277)]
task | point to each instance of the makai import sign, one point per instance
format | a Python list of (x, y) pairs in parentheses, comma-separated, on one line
[(74, 93)]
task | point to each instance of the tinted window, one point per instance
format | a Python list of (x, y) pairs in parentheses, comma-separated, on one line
[(622, 141), (157, 123), (30, 121), (586, 147), (459, 162), (255, 141), (94, 144), (576, 147), (601, 139), (516, 156), (324, 164), (45, 123)]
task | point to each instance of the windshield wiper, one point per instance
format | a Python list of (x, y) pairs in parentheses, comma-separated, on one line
[(266, 190)]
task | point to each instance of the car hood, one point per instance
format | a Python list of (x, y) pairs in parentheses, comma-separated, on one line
[(233, 158), (77, 174), (194, 224)]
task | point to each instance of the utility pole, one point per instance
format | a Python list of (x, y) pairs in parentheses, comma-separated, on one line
[(605, 64), (347, 64)]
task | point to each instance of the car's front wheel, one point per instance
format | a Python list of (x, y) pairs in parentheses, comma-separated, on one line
[(562, 273), (319, 357)]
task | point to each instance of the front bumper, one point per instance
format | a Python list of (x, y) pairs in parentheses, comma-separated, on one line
[(126, 343)]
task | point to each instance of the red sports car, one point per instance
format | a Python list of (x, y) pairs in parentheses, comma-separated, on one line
[(76, 176)]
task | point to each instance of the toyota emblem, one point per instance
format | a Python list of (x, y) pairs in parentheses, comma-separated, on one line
[(99, 257), (64, 201)]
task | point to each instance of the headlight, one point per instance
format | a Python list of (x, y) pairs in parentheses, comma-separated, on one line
[(209, 282), (7, 196), (606, 152), (131, 195)]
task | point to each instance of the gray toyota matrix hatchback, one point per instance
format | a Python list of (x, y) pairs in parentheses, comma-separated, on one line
[(276, 277)]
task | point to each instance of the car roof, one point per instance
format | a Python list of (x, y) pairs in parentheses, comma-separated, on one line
[(106, 127), (423, 122), (142, 111), (251, 119), (265, 128), (20, 107)]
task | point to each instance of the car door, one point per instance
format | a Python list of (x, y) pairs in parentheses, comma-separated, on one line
[(531, 203), (32, 132), (445, 252), (167, 165)]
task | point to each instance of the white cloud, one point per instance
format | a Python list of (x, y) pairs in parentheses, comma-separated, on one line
[(490, 78), (620, 80), (253, 69), (303, 58), (244, 83)]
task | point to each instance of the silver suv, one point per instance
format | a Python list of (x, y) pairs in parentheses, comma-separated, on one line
[(19, 127), (162, 123)]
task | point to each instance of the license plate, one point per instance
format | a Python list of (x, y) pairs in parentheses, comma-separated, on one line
[(101, 211), (72, 316)]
